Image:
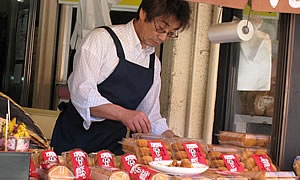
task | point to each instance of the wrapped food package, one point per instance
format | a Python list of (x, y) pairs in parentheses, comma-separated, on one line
[(108, 173), (48, 159), (257, 103), (148, 147), (129, 163), (217, 174), (60, 173), (141, 172), (103, 158), (77, 161), (262, 175), (41, 162), (255, 159), (263, 105), (34, 162), (187, 148), (244, 139), (226, 158)]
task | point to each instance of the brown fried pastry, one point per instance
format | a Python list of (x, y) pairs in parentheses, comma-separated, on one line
[(215, 155), (146, 159), (178, 146), (144, 151), (249, 163), (141, 142), (186, 163), (180, 155)]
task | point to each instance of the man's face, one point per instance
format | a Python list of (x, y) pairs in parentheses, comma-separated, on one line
[(158, 30)]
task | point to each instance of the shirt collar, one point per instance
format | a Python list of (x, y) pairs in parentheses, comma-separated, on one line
[(136, 41)]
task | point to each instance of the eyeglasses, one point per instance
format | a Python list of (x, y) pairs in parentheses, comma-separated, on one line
[(171, 34)]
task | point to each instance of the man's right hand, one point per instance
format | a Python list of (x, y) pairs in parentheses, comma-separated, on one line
[(136, 121)]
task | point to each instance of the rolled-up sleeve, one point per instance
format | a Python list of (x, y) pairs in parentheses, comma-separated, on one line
[(89, 71)]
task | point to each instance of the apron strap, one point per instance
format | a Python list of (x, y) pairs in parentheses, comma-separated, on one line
[(117, 42), (152, 59)]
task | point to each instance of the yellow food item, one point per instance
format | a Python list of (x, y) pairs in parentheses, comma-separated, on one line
[(15, 129)]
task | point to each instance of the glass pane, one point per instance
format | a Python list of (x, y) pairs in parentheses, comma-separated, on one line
[(256, 75), (17, 37)]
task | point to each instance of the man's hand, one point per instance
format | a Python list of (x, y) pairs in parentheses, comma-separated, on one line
[(136, 121)]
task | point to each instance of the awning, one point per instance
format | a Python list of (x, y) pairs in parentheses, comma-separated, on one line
[(283, 6)]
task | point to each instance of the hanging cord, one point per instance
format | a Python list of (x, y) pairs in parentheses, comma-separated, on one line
[(246, 28)]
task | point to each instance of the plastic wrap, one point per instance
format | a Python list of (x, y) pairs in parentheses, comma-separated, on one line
[(108, 173), (226, 158), (244, 139), (187, 148)]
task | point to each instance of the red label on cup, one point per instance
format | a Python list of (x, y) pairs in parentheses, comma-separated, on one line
[(263, 163), (158, 151), (141, 172), (80, 164), (232, 163), (194, 153), (105, 159), (128, 161)]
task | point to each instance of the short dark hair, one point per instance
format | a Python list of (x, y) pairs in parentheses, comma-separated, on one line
[(180, 9)]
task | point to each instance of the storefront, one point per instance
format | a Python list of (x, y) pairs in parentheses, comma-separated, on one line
[(244, 103), (200, 94)]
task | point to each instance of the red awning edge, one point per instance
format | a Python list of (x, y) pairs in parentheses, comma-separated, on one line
[(283, 6)]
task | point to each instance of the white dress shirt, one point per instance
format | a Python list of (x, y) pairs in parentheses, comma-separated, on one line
[(96, 60)]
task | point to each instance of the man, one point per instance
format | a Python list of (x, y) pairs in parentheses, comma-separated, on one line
[(116, 82)]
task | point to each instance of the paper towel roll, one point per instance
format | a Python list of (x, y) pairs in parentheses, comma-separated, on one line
[(234, 31)]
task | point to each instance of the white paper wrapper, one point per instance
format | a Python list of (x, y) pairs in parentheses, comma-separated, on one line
[(255, 64), (230, 32)]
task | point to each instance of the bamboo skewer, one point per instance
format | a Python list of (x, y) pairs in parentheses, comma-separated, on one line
[(6, 123), (6, 132), (8, 109)]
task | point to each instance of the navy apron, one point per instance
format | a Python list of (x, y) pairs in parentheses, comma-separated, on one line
[(126, 86)]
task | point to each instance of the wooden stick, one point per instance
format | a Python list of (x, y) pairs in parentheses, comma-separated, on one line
[(8, 109), (6, 132)]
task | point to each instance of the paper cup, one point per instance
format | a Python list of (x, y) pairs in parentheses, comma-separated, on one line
[(20, 144)]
